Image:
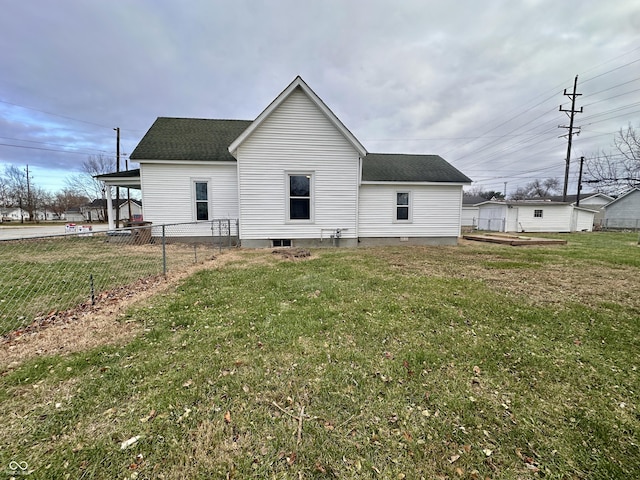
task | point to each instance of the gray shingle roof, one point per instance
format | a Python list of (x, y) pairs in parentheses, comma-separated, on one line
[(189, 139), (391, 167)]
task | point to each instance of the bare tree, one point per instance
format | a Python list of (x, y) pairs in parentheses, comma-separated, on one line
[(537, 189), (18, 189), (478, 191), (84, 183), (4, 192), (66, 199), (619, 169)]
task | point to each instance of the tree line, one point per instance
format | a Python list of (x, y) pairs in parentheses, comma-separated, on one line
[(18, 189)]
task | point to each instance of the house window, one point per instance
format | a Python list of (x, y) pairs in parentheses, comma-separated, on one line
[(299, 193), (202, 200), (403, 204), (537, 214)]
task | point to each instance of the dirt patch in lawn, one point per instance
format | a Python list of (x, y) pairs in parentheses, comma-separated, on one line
[(588, 283)]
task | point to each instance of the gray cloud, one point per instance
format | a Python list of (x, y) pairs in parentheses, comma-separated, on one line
[(409, 76)]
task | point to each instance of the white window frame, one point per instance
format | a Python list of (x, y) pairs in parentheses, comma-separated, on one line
[(409, 206), (311, 175), (195, 201)]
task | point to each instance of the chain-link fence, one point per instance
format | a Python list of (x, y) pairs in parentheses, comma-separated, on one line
[(43, 275), (631, 224)]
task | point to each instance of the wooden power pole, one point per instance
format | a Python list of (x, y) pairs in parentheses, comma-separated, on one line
[(571, 113)]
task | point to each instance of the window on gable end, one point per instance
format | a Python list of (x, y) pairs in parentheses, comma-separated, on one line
[(300, 200)]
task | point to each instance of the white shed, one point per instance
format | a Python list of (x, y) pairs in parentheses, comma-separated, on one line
[(534, 216)]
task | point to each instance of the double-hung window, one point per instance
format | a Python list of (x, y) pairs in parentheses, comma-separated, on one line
[(537, 213), (403, 207), (299, 190), (201, 195)]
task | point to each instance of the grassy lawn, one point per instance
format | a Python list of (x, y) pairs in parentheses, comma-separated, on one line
[(477, 361)]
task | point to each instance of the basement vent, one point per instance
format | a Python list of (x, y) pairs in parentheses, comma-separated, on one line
[(281, 243)]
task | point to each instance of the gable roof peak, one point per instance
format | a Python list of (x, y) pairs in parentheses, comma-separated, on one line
[(298, 83)]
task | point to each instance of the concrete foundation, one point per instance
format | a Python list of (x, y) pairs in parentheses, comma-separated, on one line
[(352, 242)]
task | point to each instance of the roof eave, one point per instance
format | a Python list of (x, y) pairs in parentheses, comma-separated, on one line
[(411, 182)]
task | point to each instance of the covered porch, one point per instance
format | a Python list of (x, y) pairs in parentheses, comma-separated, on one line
[(128, 179)]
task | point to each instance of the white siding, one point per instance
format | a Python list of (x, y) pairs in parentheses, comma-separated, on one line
[(470, 216), (167, 190), (555, 218), (583, 220), (435, 211), (297, 138)]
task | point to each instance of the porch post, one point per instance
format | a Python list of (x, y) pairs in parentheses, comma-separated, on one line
[(110, 208)]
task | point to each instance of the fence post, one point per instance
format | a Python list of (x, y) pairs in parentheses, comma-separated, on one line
[(164, 252), (229, 232), (93, 292)]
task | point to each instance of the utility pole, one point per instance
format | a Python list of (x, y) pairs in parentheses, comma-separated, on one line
[(571, 113), (579, 181), (117, 129)]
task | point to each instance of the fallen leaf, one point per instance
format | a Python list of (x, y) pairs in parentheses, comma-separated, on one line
[(227, 416), (476, 370), (151, 416), (487, 452), (291, 458), (459, 472), (188, 383), (453, 458)]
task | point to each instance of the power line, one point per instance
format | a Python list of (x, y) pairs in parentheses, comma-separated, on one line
[(54, 114)]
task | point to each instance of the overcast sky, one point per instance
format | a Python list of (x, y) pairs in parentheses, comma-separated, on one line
[(477, 82)]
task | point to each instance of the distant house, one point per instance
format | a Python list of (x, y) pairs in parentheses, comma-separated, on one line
[(96, 211), (534, 216), (295, 175), (13, 214), (624, 211), (470, 210), (73, 215), (592, 201)]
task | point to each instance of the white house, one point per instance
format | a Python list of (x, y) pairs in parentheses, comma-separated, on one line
[(95, 211), (534, 216), (293, 176), (624, 211), (13, 214)]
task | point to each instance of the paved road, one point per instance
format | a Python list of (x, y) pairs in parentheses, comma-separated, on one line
[(10, 232)]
